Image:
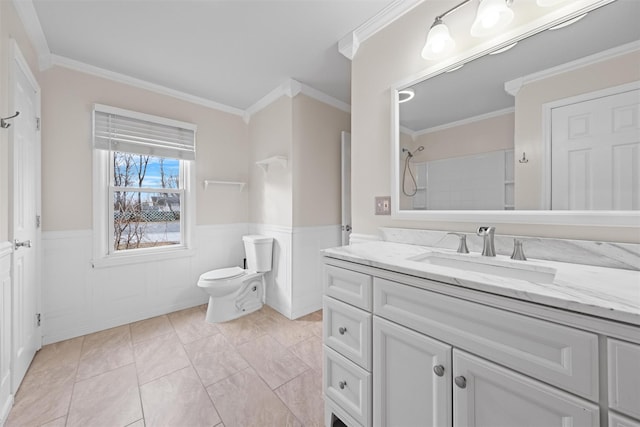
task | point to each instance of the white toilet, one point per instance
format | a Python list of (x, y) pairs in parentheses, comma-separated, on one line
[(234, 292)]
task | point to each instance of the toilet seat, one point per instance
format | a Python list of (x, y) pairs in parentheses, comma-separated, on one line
[(223, 274)]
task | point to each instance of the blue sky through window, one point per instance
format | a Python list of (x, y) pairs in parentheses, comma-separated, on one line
[(125, 163)]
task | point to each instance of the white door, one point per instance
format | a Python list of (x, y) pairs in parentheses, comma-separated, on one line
[(487, 395), (24, 138), (595, 154), (346, 186), (411, 378)]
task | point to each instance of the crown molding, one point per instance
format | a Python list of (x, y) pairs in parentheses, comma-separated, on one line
[(289, 88), (466, 121), (72, 64), (292, 88), (27, 14), (512, 87), (348, 45), (327, 99)]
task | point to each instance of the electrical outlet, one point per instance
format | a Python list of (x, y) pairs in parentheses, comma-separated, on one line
[(383, 205)]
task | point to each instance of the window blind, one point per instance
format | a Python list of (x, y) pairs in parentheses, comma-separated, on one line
[(116, 129)]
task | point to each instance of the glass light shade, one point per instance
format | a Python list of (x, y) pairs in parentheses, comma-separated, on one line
[(492, 16), (439, 41)]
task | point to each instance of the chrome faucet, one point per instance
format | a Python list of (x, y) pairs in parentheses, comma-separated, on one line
[(487, 233), (462, 246), (518, 252)]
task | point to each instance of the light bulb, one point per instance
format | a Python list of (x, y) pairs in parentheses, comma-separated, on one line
[(492, 15), (439, 41)]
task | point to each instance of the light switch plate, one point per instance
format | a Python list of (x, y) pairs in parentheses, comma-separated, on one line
[(383, 205)]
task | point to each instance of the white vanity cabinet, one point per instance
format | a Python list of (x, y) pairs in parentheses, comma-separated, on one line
[(347, 346), (411, 378), (415, 378), (447, 356)]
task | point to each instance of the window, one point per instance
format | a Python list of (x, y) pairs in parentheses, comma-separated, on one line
[(143, 171)]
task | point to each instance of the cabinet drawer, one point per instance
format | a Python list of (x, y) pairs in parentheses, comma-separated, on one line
[(556, 354), (347, 330), (332, 411), (348, 286), (348, 385), (624, 377)]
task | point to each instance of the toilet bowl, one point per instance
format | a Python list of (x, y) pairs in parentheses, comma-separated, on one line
[(235, 292)]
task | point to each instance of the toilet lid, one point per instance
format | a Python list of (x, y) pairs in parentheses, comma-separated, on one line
[(222, 273)]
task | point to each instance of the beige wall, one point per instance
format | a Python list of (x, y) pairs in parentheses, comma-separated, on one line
[(316, 161), (271, 134), (382, 61), (482, 136), (529, 101), (67, 101), (10, 28)]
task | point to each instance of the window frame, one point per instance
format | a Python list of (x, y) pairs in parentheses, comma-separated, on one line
[(104, 254)]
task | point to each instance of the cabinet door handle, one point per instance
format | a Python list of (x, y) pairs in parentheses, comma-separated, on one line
[(438, 370), (342, 330), (461, 381), (342, 385)]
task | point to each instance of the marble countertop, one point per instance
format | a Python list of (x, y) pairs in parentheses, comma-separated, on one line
[(608, 293)]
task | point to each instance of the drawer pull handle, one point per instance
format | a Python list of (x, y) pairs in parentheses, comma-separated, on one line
[(461, 381), (342, 385), (438, 370), (342, 330)]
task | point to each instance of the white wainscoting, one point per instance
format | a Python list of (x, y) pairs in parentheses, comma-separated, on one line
[(6, 398), (279, 278), (79, 299), (294, 286), (307, 266)]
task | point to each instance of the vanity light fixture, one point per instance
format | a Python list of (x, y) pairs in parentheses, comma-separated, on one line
[(492, 15), (405, 95), (439, 42)]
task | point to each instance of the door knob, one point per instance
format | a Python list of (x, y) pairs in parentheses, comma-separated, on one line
[(342, 330), (18, 244), (438, 370), (342, 385), (461, 381)]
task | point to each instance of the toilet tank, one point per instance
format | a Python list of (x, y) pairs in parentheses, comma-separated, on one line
[(259, 250)]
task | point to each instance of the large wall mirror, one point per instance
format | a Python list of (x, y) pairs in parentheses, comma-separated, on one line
[(545, 132)]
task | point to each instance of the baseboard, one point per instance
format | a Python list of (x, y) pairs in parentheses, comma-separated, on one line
[(6, 408), (304, 306), (119, 321)]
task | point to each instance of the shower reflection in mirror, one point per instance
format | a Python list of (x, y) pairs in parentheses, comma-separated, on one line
[(407, 170)]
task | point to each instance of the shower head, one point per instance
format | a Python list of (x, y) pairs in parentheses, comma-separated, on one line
[(409, 153)]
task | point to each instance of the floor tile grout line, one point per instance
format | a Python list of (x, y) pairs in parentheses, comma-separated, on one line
[(75, 381), (255, 321)]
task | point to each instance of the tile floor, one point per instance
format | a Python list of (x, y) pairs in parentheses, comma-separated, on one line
[(177, 370)]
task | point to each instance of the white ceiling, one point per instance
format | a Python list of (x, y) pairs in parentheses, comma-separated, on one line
[(228, 52)]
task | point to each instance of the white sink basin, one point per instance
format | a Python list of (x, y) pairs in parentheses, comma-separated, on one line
[(490, 265)]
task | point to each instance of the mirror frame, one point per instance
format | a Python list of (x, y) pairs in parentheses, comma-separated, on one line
[(559, 217)]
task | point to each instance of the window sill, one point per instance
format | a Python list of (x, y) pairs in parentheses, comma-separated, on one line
[(141, 258)]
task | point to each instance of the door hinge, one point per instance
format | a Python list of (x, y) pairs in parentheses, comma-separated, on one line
[(37, 123), (37, 221), (38, 319)]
